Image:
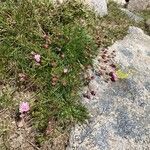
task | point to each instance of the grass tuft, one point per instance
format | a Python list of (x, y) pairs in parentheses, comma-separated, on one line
[(28, 28)]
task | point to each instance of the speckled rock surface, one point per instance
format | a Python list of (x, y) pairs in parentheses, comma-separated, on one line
[(132, 16), (138, 5), (120, 111), (100, 6)]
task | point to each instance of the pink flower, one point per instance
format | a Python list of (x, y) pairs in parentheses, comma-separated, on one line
[(37, 58), (22, 77), (24, 107), (113, 76)]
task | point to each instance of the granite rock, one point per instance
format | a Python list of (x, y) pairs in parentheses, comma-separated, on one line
[(138, 5), (132, 15), (99, 6), (119, 112)]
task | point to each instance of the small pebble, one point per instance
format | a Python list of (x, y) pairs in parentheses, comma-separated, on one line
[(65, 70), (62, 56), (86, 96), (93, 93)]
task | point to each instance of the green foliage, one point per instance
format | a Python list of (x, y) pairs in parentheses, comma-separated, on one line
[(23, 27), (5, 100), (145, 14)]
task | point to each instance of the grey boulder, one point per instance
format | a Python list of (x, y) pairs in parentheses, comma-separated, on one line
[(99, 6), (138, 5), (119, 111)]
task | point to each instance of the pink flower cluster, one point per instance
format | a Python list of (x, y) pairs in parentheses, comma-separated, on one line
[(36, 57), (113, 76), (24, 107)]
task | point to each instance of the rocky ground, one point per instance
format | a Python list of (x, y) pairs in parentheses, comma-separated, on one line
[(119, 110)]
